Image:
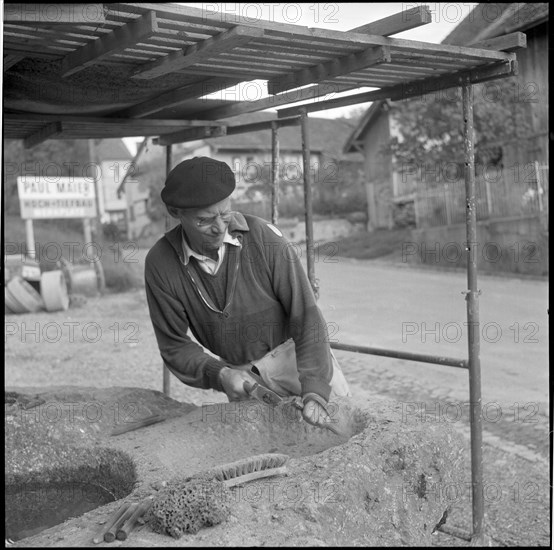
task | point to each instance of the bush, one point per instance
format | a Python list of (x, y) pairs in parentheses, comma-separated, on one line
[(403, 215), (121, 276), (351, 199), (292, 206), (111, 231)]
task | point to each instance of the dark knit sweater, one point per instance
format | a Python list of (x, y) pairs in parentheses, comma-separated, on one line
[(268, 300)]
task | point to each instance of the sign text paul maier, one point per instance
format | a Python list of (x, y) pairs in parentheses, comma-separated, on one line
[(43, 198)]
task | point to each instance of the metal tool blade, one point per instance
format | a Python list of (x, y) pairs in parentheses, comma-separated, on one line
[(263, 394)]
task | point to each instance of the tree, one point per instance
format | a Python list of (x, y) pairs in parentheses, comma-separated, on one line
[(355, 114), (430, 128), (51, 159)]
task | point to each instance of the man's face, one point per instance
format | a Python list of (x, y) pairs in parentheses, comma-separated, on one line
[(204, 228)]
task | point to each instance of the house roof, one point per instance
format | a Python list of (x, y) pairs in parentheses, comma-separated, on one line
[(489, 20), (365, 123), (327, 136), (112, 149), (486, 20), (78, 71)]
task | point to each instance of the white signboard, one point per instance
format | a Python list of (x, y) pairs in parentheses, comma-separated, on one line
[(46, 198)]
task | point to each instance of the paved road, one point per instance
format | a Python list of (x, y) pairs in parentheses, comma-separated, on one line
[(398, 306), (418, 310)]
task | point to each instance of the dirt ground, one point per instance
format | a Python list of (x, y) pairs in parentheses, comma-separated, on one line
[(108, 341)]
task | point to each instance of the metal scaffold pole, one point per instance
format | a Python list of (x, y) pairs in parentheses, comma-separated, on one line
[(472, 299), (274, 173), (308, 201), (166, 372)]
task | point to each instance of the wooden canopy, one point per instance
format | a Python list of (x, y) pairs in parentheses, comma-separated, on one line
[(77, 71)]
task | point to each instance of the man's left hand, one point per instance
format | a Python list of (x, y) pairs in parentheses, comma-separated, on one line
[(314, 413)]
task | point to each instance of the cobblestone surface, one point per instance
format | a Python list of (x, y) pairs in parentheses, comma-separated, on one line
[(522, 424)]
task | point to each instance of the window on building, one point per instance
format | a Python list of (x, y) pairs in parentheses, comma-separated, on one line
[(252, 170), (292, 172), (236, 167)]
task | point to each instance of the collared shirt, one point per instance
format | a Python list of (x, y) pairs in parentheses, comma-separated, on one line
[(206, 263)]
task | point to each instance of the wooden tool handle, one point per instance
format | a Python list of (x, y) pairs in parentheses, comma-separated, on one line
[(128, 526), (255, 475), (130, 426), (99, 537), (110, 534)]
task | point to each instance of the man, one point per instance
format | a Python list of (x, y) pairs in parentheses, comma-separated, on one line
[(239, 286)]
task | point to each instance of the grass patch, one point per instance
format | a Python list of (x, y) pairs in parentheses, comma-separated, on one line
[(367, 246), (45, 232)]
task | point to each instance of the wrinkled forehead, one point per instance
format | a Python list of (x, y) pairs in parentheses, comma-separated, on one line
[(212, 210)]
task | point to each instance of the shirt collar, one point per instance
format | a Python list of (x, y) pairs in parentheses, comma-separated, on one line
[(174, 236), (188, 251)]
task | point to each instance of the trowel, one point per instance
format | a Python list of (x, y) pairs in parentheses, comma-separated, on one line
[(265, 395)]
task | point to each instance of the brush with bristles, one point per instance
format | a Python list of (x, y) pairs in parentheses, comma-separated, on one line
[(249, 469)]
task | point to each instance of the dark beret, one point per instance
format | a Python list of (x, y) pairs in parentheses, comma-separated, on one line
[(197, 183)]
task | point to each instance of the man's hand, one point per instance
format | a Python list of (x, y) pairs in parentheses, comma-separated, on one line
[(233, 383), (315, 414)]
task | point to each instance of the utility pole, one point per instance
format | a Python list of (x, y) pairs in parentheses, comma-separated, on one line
[(93, 160)]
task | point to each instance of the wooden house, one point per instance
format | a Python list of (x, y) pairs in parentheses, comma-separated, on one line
[(249, 154), (524, 153), (127, 209)]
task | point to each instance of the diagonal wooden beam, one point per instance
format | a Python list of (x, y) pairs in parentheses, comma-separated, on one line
[(124, 37), (68, 120), (248, 73), (10, 60), (506, 43), (191, 134), (405, 20), (264, 125), (131, 168), (239, 108), (412, 89), (46, 132), (52, 14), (325, 71), (198, 53), (25, 50), (526, 16), (178, 96)]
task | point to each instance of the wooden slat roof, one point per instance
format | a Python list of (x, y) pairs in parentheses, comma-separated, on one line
[(127, 69)]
